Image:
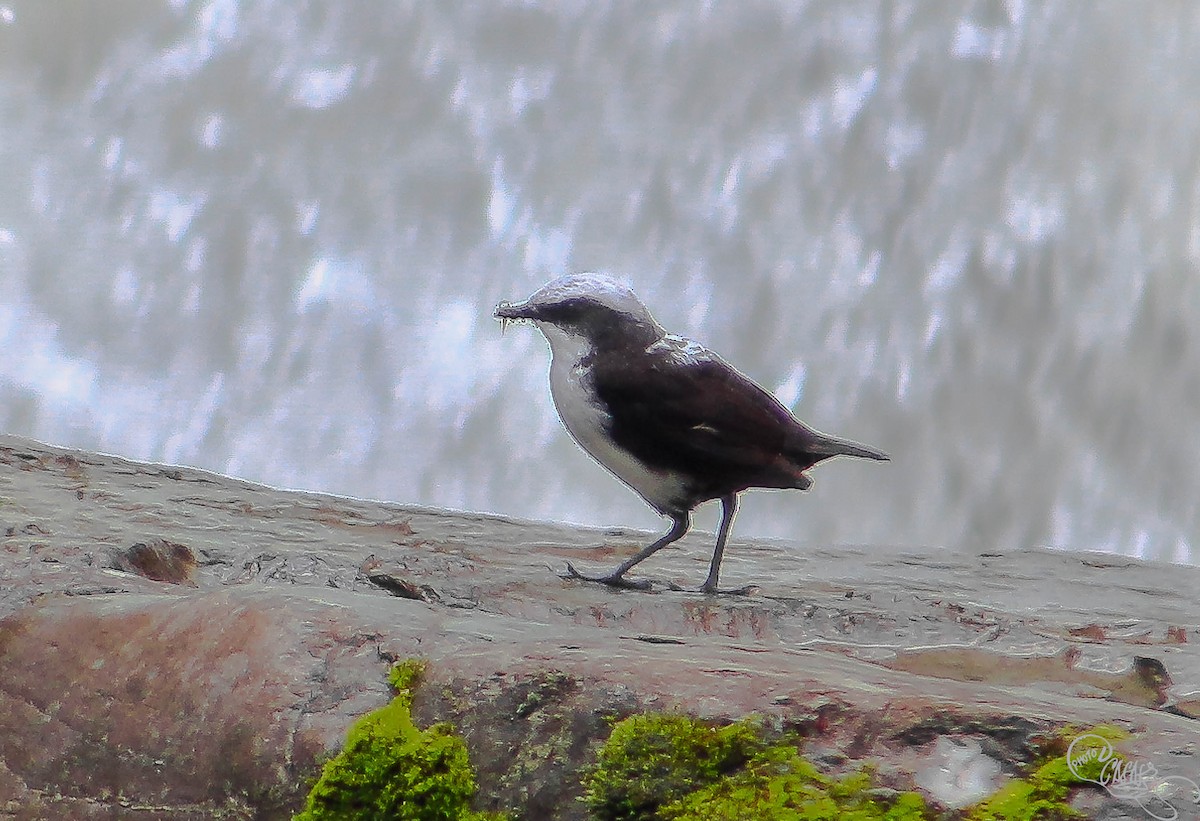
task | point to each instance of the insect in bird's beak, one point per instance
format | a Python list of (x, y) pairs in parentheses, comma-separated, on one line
[(504, 313)]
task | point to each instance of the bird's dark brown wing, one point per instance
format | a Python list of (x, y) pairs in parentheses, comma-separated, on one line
[(679, 407)]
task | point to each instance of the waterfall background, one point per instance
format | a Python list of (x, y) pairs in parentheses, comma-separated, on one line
[(266, 238)]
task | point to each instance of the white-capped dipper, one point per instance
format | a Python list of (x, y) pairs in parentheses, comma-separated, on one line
[(663, 414)]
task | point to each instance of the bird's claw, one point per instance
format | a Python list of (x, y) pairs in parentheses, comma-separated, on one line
[(748, 590), (612, 581)]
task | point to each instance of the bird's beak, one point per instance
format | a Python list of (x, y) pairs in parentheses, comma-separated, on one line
[(512, 311)]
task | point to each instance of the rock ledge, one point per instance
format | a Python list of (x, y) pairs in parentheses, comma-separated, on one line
[(178, 644)]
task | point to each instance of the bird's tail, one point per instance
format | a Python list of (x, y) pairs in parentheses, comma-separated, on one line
[(823, 447)]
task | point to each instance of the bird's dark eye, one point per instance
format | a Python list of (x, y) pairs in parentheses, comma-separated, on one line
[(567, 312)]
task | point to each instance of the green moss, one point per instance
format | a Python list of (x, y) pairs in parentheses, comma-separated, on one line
[(1043, 794), (404, 677), (676, 768), (390, 769), (779, 785), (651, 760)]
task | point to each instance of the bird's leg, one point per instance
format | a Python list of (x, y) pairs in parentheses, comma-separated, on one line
[(682, 521), (729, 503)]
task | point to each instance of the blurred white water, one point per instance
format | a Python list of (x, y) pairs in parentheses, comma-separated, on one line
[(266, 238)]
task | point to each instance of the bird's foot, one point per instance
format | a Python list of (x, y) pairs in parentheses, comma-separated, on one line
[(612, 580), (713, 590)]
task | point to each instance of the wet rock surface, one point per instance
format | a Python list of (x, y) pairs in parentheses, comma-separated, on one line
[(178, 644)]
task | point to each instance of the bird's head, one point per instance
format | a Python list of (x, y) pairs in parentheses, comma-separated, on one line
[(593, 307)]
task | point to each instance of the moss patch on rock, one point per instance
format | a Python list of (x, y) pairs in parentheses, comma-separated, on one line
[(1043, 794), (779, 785), (391, 769), (677, 768), (653, 767)]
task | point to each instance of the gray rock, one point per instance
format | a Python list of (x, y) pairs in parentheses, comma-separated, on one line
[(184, 645)]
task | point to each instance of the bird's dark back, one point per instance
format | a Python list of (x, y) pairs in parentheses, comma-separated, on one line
[(696, 415)]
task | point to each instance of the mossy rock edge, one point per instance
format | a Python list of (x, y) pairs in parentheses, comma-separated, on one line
[(391, 770)]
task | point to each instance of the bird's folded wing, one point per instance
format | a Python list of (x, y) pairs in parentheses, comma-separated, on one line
[(692, 414)]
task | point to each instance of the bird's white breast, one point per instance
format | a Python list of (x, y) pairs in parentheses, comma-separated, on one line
[(587, 420)]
